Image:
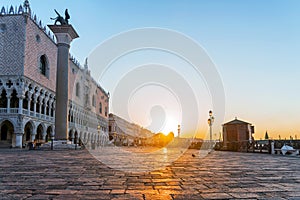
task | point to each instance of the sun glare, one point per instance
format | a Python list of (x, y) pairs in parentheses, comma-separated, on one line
[(171, 125)]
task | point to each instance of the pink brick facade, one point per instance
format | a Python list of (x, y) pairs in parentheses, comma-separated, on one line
[(86, 84), (38, 44)]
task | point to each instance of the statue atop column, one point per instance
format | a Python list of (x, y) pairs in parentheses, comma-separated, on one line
[(60, 19)]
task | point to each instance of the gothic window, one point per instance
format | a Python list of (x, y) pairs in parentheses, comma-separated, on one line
[(38, 105), (14, 101), (77, 89), (94, 101), (32, 103), (25, 101), (44, 69), (100, 108), (3, 99), (43, 106), (52, 110), (48, 108)]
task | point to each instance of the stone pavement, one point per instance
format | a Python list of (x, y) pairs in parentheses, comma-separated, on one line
[(70, 174)]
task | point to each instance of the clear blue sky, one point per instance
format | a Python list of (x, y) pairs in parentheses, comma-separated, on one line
[(255, 45)]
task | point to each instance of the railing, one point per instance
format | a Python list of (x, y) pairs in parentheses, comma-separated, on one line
[(261, 146), (26, 112), (31, 113), (3, 110), (38, 115), (9, 110), (14, 110), (258, 146)]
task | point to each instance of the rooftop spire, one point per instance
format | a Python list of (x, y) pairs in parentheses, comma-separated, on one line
[(26, 7), (86, 63)]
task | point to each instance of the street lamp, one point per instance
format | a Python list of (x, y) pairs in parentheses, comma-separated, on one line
[(210, 122)]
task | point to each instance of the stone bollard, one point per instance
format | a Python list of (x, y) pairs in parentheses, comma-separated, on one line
[(272, 148)]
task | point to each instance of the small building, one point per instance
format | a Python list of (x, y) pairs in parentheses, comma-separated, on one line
[(237, 134)]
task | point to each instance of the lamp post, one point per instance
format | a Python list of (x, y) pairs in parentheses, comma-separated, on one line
[(210, 122)]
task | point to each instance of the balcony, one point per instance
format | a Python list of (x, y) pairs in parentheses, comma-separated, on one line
[(25, 112)]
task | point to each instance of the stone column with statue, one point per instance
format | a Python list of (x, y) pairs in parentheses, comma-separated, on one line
[(64, 33)]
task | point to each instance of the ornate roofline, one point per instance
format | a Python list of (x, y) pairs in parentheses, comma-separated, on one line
[(25, 10)]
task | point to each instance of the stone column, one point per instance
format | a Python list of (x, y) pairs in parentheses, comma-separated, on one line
[(34, 104), (32, 137), (21, 97), (44, 135), (45, 109), (40, 108), (8, 102), (19, 139), (41, 104), (50, 107), (29, 102), (64, 35), (54, 108)]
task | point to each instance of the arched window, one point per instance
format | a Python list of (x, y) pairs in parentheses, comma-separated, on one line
[(77, 89), (25, 101), (14, 101), (44, 69), (94, 101), (106, 111), (100, 108), (3, 99)]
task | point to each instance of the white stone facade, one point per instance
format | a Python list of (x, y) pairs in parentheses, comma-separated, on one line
[(28, 59)]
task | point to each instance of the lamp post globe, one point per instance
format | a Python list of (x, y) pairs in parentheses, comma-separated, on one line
[(210, 123)]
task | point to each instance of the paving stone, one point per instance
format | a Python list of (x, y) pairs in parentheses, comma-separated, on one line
[(216, 196), (66, 174)]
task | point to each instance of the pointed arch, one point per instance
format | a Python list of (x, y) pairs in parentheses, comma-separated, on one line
[(14, 100), (39, 132), (28, 131), (6, 133), (3, 99)]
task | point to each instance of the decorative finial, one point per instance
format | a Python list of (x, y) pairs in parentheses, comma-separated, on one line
[(26, 7), (2, 11), (86, 63)]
